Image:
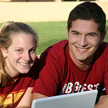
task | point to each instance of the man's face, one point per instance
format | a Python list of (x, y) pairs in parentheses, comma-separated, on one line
[(84, 39)]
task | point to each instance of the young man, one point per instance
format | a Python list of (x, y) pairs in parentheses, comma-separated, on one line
[(79, 63)]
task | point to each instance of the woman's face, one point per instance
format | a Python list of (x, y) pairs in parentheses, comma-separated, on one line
[(20, 55)]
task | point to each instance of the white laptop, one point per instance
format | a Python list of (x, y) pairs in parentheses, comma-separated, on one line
[(85, 99)]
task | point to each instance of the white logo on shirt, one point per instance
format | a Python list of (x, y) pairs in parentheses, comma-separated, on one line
[(68, 88)]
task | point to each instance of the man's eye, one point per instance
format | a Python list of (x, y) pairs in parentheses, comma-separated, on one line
[(92, 35), (75, 33)]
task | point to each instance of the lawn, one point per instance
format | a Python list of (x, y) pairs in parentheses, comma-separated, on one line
[(51, 32)]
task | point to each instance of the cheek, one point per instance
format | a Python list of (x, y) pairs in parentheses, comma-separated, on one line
[(12, 60), (95, 42), (13, 56), (33, 57), (72, 40)]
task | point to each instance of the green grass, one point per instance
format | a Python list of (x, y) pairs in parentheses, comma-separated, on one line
[(51, 32), (106, 37)]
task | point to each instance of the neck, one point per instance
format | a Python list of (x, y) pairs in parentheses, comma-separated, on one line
[(10, 72), (82, 64)]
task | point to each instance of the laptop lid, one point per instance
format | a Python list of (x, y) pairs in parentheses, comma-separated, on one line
[(84, 99)]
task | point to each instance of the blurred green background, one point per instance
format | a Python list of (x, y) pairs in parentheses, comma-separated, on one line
[(51, 32)]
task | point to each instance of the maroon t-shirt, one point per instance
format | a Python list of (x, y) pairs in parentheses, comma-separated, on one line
[(59, 74), (11, 94)]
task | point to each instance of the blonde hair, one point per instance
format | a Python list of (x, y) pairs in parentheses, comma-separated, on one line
[(6, 31)]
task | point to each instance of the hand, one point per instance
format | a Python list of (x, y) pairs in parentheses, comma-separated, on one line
[(103, 102)]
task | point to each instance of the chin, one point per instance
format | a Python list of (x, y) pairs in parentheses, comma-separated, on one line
[(24, 72)]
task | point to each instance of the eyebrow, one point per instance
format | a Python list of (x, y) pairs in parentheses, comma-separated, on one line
[(93, 33), (87, 33), (74, 31)]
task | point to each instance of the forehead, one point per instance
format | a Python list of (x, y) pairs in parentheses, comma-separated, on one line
[(84, 25), (22, 39), (20, 35)]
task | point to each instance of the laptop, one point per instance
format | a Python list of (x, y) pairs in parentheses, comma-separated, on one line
[(84, 99)]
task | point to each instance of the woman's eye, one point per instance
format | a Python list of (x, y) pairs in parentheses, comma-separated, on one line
[(32, 51), (19, 50)]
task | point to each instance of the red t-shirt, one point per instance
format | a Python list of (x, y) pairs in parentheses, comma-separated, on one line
[(59, 74), (11, 94)]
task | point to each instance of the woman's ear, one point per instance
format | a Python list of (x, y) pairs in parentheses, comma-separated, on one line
[(4, 51)]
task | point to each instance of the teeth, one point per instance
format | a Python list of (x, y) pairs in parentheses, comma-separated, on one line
[(24, 63), (82, 49)]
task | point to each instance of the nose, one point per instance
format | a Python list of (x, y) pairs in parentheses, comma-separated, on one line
[(27, 56), (83, 41)]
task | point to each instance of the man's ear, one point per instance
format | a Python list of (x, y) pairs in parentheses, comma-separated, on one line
[(4, 51), (103, 36)]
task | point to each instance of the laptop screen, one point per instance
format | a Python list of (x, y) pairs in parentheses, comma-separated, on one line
[(75, 100)]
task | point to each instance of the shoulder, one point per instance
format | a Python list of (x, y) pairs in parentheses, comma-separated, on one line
[(56, 50), (101, 55), (104, 45), (53, 58), (103, 49)]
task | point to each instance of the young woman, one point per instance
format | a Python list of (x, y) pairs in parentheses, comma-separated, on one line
[(18, 43)]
